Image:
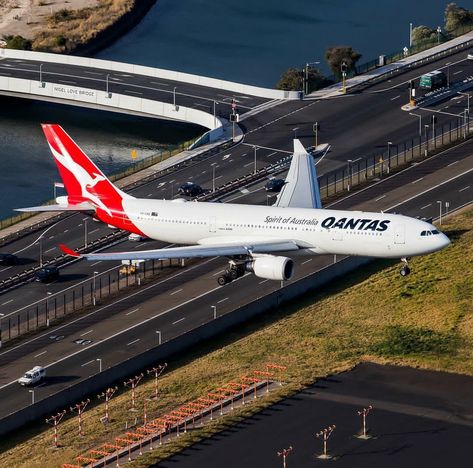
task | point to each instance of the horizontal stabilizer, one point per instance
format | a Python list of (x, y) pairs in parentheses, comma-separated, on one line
[(79, 207)]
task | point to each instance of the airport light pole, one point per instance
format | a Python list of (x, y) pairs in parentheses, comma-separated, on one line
[(159, 336), (325, 433), (439, 31), (306, 82), (94, 295), (108, 394), (420, 123), (99, 360), (364, 412), (284, 453), (215, 311), (32, 395), (157, 371), (80, 408), (440, 214), (55, 420)]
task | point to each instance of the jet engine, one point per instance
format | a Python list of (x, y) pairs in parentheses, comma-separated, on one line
[(270, 267)]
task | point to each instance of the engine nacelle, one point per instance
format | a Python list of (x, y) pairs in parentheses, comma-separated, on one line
[(273, 268)]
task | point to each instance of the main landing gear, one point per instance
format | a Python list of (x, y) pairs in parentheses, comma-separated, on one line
[(405, 270), (234, 271)]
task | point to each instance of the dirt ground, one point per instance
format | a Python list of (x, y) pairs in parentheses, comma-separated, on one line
[(28, 17)]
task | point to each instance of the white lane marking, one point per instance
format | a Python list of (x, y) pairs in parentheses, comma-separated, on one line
[(150, 194), (87, 332), (219, 177), (149, 319), (226, 157), (175, 292), (87, 363), (5, 74), (8, 302), (159, 83), (133, 342), (40, 354), (51, 237), (95, 230), (425, 206), (307, 261), (132, 92), (67, 82), (218, 272), (394, 98), (457, 72), (461, 190), (379, 198), (40, 237), (417, 180), (66, 230), (271, 154), (252, 163), (177, 321), (171, 181), (222, 300), (264, 281), (244, 190), (132, 311), (5, 269), (49, 250), (451, 164), (96, 263), (92, 73)]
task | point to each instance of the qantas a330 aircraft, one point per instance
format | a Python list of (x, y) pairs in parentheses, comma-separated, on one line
[(254, 238)]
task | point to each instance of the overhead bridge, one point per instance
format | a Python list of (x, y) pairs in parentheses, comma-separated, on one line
[(131, 89)]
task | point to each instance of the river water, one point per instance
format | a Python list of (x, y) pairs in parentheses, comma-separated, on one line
[(246, 41)]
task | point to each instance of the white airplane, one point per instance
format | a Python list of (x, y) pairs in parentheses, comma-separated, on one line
[(254, 238)]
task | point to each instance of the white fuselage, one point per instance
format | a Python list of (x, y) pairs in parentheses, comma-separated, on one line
[(316, 231)]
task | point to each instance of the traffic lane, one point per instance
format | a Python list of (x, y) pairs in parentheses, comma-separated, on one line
[(413, 177), (241, 288)]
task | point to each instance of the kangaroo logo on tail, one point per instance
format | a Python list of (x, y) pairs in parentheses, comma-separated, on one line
[(82, 179)]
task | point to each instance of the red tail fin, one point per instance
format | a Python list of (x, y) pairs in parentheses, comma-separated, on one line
[(83, 180)]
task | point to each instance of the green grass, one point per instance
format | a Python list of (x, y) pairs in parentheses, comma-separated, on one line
[(424, 320)]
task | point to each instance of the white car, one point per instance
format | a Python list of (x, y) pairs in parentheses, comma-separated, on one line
[(470, 56), (136, 237), (33, 376)]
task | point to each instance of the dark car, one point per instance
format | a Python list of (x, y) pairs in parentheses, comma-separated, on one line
[(191, 189), (47, 274), (274, 185), (8, 259)]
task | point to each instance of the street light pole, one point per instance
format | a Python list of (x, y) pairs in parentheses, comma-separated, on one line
[(215, 114), (254, 149), (100, 364), (32, 396), (389, 156), (94, 296), (174, 97), (440, 208), (215, 311), (86, 240), (410, 34), (420, 123), (41, 74), (306, 82), (439, 31), (213, 178), (107, 85), (350, 177), (159, 336)]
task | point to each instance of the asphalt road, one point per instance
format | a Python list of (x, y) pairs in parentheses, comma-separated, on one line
[(419, 418), (182, 301)]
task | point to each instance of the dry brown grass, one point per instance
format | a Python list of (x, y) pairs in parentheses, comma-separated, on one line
[(68, 28), (424, 320)]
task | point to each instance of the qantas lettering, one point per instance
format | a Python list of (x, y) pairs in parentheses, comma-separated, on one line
[(354, 223)]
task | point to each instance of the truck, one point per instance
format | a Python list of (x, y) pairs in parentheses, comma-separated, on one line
[(33, 376), (433, 80)]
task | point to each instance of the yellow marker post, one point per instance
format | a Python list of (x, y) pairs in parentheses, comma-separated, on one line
[(134, 154)]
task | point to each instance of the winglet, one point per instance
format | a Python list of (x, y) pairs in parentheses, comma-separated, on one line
[(65, 249)]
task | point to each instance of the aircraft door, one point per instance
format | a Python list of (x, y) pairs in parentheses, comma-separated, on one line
[(212, 224), (400, 234)]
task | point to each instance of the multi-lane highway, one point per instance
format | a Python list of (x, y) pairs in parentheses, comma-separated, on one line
[(356, 125)]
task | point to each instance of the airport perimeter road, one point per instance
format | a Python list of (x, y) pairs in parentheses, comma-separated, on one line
[(419, 419), (182, 302)]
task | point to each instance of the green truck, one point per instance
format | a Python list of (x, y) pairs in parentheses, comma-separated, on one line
[(433, 80)]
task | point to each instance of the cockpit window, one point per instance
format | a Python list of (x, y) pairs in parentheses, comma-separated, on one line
[(423, 233), (429, 233), (435, 231)]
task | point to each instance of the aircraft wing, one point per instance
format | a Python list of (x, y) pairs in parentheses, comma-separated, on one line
[(194, 251), (301, 189)]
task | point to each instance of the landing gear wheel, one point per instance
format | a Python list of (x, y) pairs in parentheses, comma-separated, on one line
[(233, 274), (405, 270), (222, 280)]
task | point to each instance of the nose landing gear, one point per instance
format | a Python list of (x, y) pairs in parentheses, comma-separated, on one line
[(405, 270)]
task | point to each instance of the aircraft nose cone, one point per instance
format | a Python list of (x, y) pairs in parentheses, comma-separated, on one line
[(444, 241)]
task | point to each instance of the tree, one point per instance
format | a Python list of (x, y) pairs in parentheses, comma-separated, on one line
[(291, 80), (423, 33), (17, 42), (337, 55), (456, 17)]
